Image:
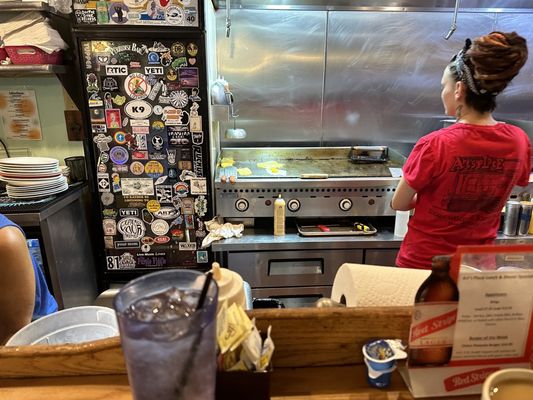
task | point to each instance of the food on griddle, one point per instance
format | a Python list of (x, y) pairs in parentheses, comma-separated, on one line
[(244, 171), (269, 164), (227, 162)]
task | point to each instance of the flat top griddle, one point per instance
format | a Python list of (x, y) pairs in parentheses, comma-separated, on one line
[(330, 162)]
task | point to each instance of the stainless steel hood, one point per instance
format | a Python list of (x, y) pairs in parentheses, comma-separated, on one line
[(377, 5)]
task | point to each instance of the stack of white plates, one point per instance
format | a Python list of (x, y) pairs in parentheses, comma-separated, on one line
[(30, 177)]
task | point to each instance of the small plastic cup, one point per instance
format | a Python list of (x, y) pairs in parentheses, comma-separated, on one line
[(379, 368)]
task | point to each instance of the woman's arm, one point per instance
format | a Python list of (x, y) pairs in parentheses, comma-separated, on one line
[(17, 283), (404, 198)]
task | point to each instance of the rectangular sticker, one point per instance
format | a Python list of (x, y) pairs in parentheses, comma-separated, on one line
[(137, 186)]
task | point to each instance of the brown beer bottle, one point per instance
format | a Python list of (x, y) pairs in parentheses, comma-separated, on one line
[(434, 314)]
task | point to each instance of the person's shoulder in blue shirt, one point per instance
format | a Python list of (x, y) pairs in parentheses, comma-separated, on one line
[(24, 294)]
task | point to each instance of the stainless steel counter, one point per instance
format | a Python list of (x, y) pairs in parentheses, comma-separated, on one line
[(299, 270), (66, 245), (264, 240)]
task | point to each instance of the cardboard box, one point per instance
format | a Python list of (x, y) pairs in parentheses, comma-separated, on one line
[(450, 381)]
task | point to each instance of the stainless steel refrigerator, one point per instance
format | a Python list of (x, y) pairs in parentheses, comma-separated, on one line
[(146, 118)]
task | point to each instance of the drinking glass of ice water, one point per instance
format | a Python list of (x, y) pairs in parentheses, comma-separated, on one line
[(168, 343)]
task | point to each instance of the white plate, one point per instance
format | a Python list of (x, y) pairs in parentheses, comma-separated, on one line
[(18, 161), (39, 194), (31, 189), (29, 168), (23, 176), (38, 185), (32, 182)]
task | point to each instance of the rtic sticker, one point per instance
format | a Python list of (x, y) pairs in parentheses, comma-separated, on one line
[(433, 324)]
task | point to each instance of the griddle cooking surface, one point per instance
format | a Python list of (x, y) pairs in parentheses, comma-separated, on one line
[(334, 162)]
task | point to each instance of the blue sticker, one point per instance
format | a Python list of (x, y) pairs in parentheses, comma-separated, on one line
[(153, 58), (119, 155)]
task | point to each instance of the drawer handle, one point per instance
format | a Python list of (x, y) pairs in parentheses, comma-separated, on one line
[(296, 267)]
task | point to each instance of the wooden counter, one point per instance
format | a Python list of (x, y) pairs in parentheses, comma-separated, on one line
[(317, 356)]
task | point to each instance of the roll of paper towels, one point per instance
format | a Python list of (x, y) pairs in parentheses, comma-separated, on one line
[(375, 286)]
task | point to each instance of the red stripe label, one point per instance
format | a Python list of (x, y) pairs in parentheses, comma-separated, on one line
[(469, 378), (433, 325)]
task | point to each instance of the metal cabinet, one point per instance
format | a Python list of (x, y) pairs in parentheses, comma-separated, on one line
[(384, 257), (296, 277)]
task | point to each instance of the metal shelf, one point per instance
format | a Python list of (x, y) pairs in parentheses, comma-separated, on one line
[(6, 6), (33, 69)]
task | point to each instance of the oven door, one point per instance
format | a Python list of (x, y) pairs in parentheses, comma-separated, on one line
[(291, 268), (291, 297)]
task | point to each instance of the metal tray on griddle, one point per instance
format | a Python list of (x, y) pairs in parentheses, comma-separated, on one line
[(369, 154), (347, 229)]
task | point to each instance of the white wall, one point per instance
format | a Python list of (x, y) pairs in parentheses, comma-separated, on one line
[(49, 95)]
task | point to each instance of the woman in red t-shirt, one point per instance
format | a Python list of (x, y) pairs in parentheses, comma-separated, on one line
[(458, 178)]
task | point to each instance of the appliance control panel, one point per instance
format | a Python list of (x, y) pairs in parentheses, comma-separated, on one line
[(305, 199)]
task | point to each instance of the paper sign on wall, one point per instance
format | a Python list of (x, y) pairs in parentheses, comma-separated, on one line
[(20, 115)]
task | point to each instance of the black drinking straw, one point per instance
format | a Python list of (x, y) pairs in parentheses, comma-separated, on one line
[(192, 354), (203, 294)]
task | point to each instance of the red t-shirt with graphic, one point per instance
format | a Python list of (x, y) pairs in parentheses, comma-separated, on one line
[(463, 175)]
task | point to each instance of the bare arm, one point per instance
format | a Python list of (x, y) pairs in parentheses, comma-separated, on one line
[(17, 283), (404, 198)]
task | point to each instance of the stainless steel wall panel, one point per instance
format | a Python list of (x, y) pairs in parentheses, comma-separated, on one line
[(315, 78), (383, 73), (516, 101), (376, 4), (274, 62)]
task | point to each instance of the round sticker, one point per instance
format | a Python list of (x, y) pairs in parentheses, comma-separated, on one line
[(153, 58), (104, 157), (119, 155), (137, 168), (153, 206), (179, 99), (174, 15), (137, 86), (158, 126), (159, 227), (107, 198), (181, 189), (192, 49), (153, 169), (120, 137), (145, 248), (158, 110), (171, 74), (118, 13), (177, 49), (102, 168)]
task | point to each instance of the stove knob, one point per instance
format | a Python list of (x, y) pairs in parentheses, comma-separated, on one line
[(345, 204), (242, 205), (294, 205)]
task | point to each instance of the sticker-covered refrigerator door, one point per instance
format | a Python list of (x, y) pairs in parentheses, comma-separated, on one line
[(146, 102)]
